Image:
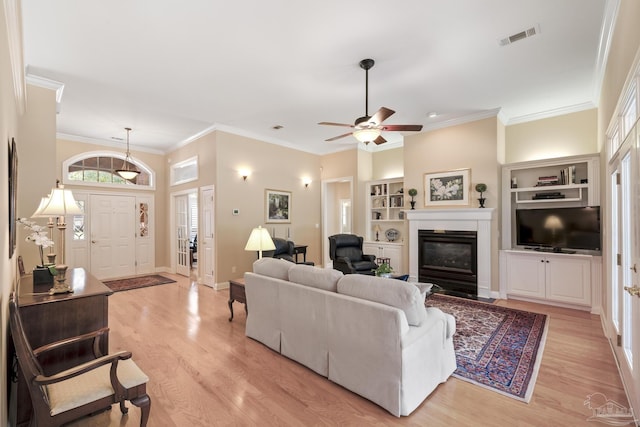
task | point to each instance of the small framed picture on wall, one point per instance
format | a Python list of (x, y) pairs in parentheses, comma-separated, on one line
[(277, 206)]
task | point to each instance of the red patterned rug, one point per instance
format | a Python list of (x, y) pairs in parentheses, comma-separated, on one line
[(496, 347), (137, 282)]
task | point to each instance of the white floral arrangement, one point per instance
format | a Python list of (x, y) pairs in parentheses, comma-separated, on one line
[(441, 191), (38, 235)]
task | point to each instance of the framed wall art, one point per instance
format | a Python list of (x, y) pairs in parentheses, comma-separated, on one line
[(447, 188), (13, 192), (277, 206)]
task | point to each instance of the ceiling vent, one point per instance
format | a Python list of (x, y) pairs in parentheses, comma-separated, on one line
[(520, 36)]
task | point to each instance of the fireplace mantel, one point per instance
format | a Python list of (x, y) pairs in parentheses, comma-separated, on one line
[(471, 219)]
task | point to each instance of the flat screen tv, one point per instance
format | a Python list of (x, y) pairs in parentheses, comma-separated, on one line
[(559, 228)]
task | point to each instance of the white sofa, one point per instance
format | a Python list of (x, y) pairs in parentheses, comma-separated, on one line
[(371, 335)]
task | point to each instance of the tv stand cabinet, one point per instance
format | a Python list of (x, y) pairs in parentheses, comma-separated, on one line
[(568, 280)]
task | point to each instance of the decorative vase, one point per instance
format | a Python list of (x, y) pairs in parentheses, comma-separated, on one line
[(481, 201), (413, 204), (42, 276)]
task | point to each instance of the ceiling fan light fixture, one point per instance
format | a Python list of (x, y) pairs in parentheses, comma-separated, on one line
[(126, 172), (366, 135)]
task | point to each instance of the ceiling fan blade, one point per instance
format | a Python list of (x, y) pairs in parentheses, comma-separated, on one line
[(402, 127), (379, 140), (335, 124), (338, 137), (381, 115)]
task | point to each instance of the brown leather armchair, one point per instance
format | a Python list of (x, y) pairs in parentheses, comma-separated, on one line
[(346, 252)]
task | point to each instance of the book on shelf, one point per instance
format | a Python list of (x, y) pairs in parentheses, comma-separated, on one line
[(547, 180), (568, 175)]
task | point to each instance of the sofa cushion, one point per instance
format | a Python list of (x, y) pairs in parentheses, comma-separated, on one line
[(273, 267), (322, 278), (424, 289), (396, 293)]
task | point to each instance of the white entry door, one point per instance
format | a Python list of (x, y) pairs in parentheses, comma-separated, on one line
[(113, 236), (206, 246), (183, 262)]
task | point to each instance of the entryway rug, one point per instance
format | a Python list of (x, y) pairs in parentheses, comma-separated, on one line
[(137, 282), (496, 347)]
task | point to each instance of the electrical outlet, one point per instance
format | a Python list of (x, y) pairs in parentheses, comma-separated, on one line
[(233, 269)]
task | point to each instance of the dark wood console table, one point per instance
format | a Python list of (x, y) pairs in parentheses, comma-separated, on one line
[(48, 318)]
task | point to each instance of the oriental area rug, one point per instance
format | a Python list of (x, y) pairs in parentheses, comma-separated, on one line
[(137, 282), (496, 347)]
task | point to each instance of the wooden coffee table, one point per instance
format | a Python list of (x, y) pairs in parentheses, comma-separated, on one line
[(236, 293)]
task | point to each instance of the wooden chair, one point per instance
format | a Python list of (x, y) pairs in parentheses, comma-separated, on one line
[(81, 390)]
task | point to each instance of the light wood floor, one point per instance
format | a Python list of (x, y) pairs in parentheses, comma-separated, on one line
[(205, 372)]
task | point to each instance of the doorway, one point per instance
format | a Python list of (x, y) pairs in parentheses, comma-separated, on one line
[(115, 236), (337, 212), (185, 232), (624, 244)]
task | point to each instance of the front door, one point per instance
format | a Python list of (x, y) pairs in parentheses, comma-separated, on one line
[(113, 236)]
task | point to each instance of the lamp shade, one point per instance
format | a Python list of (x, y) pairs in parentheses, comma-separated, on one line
[(43, 202), (127, 174), (259, 240), (61, 203), (366, 135)]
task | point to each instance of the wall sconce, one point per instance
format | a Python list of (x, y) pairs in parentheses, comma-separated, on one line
[(244, 173), (306, 182)]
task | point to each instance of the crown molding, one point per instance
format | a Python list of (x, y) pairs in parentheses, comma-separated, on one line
[(106, 143), (462, 120), (549, 113), (13, 22), (46, 83), (606, 35)]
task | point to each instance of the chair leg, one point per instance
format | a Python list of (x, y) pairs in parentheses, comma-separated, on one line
[(144, 403), (123, 407)]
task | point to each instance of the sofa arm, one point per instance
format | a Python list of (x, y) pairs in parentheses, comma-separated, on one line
[(371, 258)]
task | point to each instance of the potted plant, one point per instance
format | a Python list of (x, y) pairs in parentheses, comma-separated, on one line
[(384, 270), (43, 273), (413, 193), (481, 188)]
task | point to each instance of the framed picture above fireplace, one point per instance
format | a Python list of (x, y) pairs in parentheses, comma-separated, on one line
[(447, 188)]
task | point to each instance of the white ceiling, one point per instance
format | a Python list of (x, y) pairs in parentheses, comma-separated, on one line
[(172, 70)]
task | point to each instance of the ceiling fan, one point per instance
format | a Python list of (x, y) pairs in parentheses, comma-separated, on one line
[(369, 128)]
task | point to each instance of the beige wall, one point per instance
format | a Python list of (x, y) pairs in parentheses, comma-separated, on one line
[(388, 164), (37, 174), (8, 129), (272, 167), (470, 145), (66, 149), (566, 135)]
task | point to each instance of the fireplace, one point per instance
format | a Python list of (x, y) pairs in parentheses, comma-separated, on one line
[(478, 220), (449, 258)]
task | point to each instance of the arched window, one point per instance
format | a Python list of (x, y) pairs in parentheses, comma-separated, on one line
[(99, 169)]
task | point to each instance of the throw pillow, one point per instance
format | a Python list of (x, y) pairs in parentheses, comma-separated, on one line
[(273, 267), (322, 278), (424, 289), (395, 293)]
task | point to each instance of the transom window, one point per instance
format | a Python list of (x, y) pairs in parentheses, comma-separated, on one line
[(100, 169)]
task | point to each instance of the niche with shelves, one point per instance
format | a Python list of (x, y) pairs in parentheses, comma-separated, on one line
[(561, 182), (385, 210)]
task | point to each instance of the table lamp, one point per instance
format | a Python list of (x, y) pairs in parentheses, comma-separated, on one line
[(259, 240), (61, 203)]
